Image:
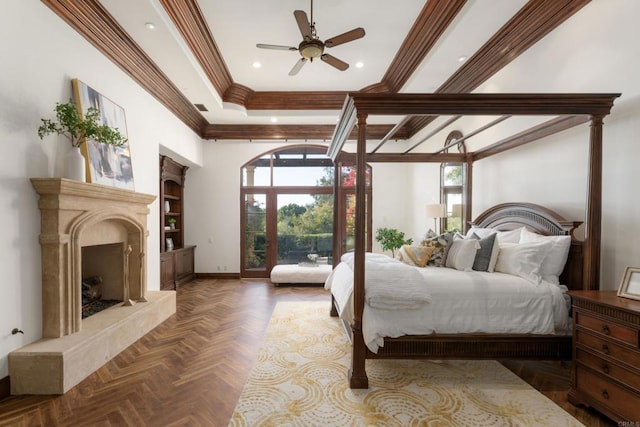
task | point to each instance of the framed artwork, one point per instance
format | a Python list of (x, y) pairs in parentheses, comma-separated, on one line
[(630, 283), (106, 164)]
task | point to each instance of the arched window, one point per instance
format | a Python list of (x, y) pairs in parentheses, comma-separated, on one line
[(287, 205), (452, 186)]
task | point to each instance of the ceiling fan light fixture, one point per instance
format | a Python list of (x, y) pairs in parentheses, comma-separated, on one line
[(311, 49)]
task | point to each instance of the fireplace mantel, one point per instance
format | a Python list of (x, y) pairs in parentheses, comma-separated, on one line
[(75, 215)]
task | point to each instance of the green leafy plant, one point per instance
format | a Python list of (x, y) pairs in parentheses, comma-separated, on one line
[(171, 221), (70, 123), (391, 239)]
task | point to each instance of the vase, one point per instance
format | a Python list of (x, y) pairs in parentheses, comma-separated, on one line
[(74, 165), (167, 206)]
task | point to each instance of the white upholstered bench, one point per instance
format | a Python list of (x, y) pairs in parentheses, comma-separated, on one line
[(294, 273)]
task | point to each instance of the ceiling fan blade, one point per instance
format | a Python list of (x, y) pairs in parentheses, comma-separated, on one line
[(275, 46), (297, 67), (303, 24), (335, 62), (354, 34)]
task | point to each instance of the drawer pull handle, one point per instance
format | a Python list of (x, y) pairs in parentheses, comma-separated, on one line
[(605, 368), (605, 394), (605, 329), (605, 349)]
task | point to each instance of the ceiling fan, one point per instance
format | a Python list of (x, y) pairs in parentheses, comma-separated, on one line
[(312, 47)]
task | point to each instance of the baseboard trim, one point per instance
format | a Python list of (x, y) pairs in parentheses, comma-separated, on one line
[(217, 275), (5, 387)]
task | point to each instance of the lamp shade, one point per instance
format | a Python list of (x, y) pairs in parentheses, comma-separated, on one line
[(436, 210)]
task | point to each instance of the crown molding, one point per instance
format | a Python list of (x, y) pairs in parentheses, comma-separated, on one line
[(94, 23), (293, 132)]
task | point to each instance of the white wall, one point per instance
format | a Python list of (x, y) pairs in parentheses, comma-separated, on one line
[(40, 55), (596, 51)]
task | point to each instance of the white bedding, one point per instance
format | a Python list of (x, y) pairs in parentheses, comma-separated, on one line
[(459, 302)]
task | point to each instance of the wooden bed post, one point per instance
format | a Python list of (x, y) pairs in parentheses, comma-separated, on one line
[(357, 373), (468, 191), (593, 226)]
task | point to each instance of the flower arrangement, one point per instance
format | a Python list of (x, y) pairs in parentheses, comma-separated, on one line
[(70, 123)]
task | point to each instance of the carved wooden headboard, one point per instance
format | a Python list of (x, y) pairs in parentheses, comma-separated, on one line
[(509, 216)]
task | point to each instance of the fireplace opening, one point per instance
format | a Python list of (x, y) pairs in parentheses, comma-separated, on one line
[(102, 277)]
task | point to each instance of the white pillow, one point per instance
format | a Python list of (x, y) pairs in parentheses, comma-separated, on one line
[(556, 258), (511, 236), (462, 254), (522, 259)]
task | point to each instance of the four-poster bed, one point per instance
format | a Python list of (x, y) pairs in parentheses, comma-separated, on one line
[(582, 268)]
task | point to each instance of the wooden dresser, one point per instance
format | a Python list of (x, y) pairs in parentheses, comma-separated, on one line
[(606, 354)]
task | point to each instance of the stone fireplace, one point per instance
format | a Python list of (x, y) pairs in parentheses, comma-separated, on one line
[(88, 230)]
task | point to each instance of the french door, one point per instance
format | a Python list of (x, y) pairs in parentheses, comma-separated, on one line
[(257, 237), (282, 225)]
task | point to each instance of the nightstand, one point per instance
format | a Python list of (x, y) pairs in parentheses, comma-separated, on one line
[(606, 354)]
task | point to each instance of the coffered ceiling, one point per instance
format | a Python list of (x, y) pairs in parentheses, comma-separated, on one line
[(190, 53)]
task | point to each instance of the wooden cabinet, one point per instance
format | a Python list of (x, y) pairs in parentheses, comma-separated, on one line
[(606, 354), (176, 257), (176, 267), (167, 273), (183, 261)]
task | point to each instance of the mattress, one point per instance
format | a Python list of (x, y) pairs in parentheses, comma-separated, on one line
[(460, 302)]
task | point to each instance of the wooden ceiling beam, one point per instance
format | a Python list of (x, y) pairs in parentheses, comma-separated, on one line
[(433, 21), (296, 100), (91, 20), (535, 20), (290, 132)]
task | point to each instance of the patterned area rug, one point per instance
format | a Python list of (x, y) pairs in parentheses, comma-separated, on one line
[(300, 379)]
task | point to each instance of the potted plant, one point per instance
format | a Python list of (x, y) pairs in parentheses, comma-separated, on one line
[(70, 123), (391, 239), (172, 223)]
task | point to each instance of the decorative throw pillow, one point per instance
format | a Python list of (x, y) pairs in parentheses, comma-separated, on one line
[(417, 256), (441, 245), (556, 258), (430, 234), (522, 259), (487, 255), (462, 254), (479, 231)]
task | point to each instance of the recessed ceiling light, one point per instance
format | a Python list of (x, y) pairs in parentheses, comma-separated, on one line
[(150, 25), (257, 65), (462, 58), (359, 64), (274, 119)]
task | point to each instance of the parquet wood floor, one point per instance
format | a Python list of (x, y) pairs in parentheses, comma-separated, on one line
[(190, 370)]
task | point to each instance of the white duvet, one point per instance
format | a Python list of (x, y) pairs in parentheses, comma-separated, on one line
[(458, 302)]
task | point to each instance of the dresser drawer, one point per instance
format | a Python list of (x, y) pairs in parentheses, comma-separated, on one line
[(608, 328), (628, 355), (623, 375), (618, 399)]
